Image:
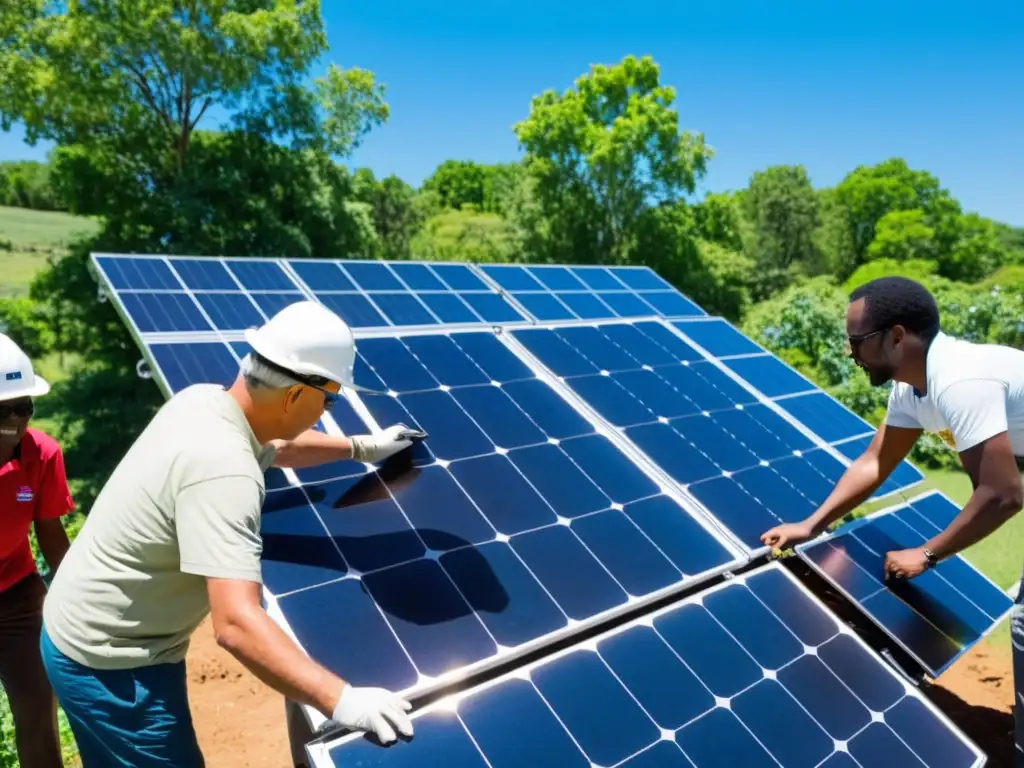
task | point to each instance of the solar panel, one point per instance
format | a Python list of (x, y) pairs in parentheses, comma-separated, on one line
[(515, 523), (804, 401), (936, 616), (743, 462), (554, 292), (374, 294), (164, 295), (751, 672)]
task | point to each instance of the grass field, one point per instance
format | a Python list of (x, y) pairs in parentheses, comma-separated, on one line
[(28, 238)]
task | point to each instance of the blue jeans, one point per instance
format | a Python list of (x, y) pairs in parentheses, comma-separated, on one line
[(130, 718)]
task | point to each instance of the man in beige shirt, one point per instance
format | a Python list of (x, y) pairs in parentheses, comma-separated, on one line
[(174, 536)]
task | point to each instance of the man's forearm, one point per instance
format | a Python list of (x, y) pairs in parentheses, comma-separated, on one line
[(254, 639), (860, 480), (310, 449), (53, 543), (986, 511)]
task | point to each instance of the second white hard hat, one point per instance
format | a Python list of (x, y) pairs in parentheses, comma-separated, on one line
[(17, 378), (307, 338)]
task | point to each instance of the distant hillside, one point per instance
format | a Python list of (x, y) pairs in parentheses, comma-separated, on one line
[(28, 237)]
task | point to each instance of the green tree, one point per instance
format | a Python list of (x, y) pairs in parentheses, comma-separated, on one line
[(139, 78), (783, 210), (602, 154), (121, 89), (719, 219), (394, 211), (669, 241), (903, 236), (915, 269), (27, 323)]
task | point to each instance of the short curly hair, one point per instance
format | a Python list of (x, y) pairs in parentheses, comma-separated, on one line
[(890, 301)]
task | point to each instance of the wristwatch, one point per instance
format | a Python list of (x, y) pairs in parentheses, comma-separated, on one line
[(932, 559)]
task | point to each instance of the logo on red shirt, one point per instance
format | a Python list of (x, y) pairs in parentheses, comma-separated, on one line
[(24, 493)]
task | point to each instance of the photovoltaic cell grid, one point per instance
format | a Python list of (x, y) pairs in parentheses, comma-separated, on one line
[(589, 293), (753, 672), (935, 616), (822, 414), (203, 294), (514, 522), (748, 466)]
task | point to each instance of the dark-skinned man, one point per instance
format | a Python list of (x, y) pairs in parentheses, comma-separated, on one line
[(33, 494), (972, 395)]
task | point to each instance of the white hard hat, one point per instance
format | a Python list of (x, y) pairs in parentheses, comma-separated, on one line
[(17, 379), (308, 339)]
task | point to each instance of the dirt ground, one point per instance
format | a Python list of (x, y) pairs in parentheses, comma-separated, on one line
[(241, 722)]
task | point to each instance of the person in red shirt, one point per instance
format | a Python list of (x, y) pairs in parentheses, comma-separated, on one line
[(33, 493)]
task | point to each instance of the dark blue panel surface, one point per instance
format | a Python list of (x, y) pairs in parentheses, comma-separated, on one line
[(230, 311), (133, 273), (598, 278), (371, 276), (449, 308), (718, 337), (403, 309), (417, 277), (204, 275), (827, 418), (670, 303), (640, 278), (164, 312), (543, 306), (770, 375), (201, 362), (937, 615), (644, 695), (260, 275), (626, 304), (525, 522), (492, 308), (557, 278), (323, 275), (354, 309)]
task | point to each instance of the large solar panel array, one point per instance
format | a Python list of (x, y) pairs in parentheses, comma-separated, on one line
[(936, 616), (752, 672), (789, 390), (576, 470), (517, 522)]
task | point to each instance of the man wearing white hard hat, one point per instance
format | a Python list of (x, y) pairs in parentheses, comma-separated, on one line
[(33, 494), (174, 535)]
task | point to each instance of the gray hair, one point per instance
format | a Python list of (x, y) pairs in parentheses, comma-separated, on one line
[(257, 375)]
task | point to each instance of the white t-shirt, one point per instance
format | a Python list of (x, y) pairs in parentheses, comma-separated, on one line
[(975, 391), (183, 504)]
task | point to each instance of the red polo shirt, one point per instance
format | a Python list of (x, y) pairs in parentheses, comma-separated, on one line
[(33, 486)]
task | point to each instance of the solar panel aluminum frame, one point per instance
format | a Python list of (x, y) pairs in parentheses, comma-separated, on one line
[(318, 749), (862, 521), (772, 402), (458, 675)]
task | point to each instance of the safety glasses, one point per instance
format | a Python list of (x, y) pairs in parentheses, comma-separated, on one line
[(20, 408)]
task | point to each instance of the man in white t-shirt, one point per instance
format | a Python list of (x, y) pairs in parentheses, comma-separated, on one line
[(972, 395), (175, 535)]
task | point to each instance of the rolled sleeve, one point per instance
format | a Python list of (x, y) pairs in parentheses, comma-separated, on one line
[(218, 527), (975, 411), (897, 414), (53, 498)]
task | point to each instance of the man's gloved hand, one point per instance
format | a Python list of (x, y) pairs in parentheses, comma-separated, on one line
[(374, 448), (373, 710)]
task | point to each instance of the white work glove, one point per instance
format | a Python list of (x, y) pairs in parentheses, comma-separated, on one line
[(373, 709), (374, 448)]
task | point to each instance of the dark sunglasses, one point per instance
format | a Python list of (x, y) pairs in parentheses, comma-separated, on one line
[(853, 342), (330, 398), (22, 409)]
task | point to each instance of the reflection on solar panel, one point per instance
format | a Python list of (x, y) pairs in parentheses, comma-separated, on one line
[(752, 672), (741, 460), (590, 293), (936, 616), (516, 523), (819, 412)]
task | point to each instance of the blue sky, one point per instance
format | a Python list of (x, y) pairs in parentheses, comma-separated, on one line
[(830, 84)]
